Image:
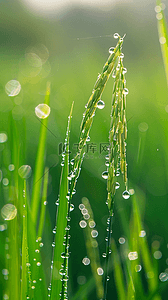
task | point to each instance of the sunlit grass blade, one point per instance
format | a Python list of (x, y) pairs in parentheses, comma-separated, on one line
[(39, 166), (118, 273), (61, 220), (43, 207), (151, 272), (163, 35)]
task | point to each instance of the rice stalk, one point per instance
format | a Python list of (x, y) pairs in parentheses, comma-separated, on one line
[(116, 159)]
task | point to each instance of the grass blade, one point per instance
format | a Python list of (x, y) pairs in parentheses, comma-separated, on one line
[(44, 197), (39, 163)]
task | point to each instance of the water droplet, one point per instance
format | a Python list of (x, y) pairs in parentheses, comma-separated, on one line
[(33, 287), (122, 55), (124, 71), (63, 255), (157, 254), (40, 279), (34, 259), (53, 244), (25, 171), (100, 271), (162, 40), (86, 261), (45, 202), (41, 245), (92, 224), (3, 137), (57, 202), (117, 185), (54, 230), (81, 206), (142, 233), (94, 233), (100, 104), (86, 216), (108, 278), (8, 212), (163, 276), (37, 250), (125, 91), (5, 181), (131, 191), (38, 264), (138, 268), (133, 255), (121, 240), (116, 35), (72, 161), (126, 195), (13, 88), (5, 272), (5, 297), (159, 16), (158, 9), (62, 272), (84, 211), (72, 207), (111, 50), (104, 255), (11, 167), (42, 111), (82, 224), (105, 174), (88, 139), (118, 173)]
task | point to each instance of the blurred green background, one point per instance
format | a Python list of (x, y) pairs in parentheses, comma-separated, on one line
[(78, 38)]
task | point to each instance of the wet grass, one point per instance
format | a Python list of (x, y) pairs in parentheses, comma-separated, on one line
[(22, 235)]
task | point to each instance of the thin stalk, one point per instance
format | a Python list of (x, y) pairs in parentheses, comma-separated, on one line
[(117, 152), (39, 163)]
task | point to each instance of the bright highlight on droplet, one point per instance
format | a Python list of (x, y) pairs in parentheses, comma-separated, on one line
[(121, 240), (3, 137), (162, 40), (25, 171), (11, 167), (142, 233), (94, 233), (100, 271), (82, 224), (159, 16), (92, 224), (163, 276), (5, 181), (100, 104), (86, 261), (105, 175), (116, 35), (133, 255), (157, 8), (42, 111), (12, 88), (138, 268), (126, 195), (8, 212)]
